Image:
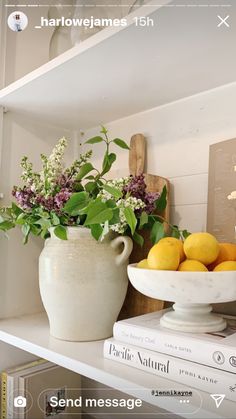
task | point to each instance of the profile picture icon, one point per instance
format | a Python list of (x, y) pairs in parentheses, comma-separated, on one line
[(17, 21)]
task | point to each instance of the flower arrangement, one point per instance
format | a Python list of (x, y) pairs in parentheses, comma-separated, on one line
[(80, 196)]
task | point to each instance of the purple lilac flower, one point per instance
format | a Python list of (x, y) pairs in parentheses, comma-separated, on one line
[(46, 202), (150, 199), (137, 188), (54, 203), (61, 198), (64, 182), (24, 197)]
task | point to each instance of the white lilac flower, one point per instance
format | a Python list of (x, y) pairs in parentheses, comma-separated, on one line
[(52, 166), (232, 195), (30, 178), (74, 169), (131, 202), (116, 183)]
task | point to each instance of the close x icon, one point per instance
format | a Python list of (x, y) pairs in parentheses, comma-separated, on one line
[(223, 21)]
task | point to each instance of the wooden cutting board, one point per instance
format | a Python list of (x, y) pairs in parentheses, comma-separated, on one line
[(136, 303)]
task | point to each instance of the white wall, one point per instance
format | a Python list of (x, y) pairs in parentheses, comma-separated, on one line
[(23, 52), (11, 356), (19, 290), (178, 138)]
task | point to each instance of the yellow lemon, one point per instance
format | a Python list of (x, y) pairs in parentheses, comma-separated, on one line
[(192, 265), (178, 243), (164, 256), (143, 264), (202, 247), (229, 265), (227, 252)]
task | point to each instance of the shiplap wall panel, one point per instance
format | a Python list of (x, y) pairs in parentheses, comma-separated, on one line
[(189, 190), (178, 138), (191, 217)]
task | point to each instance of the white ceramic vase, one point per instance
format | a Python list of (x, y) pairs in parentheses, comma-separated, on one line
[(83, 283)]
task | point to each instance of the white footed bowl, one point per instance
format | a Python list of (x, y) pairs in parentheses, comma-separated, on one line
[(192, 293)]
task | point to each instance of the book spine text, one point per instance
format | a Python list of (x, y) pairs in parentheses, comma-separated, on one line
[(3, 395), (179, 370), (204, 352)]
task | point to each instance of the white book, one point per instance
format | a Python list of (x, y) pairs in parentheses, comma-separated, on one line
[(9, 381), (56, 382), (216, 350), (13, 375), (185, 372)]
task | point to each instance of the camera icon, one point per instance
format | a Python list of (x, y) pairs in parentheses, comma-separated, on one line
[(20, 401)]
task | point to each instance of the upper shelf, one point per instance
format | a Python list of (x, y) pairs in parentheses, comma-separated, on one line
[(122, 71), (31, 333)]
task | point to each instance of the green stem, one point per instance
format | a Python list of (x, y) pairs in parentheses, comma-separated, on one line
[(107, 142)]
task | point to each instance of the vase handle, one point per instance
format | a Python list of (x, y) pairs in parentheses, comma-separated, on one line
[(128, 247)]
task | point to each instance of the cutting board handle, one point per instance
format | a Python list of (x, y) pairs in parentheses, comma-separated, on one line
[(137, 154)]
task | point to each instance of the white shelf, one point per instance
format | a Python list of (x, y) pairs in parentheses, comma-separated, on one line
[(121, 71), (31, 334)]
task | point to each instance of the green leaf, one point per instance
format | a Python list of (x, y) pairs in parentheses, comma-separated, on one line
[(60, 232), (21, 219), (143, 220), (157, 232), (44, 234), (185, 234), (94, 140), (121, 143), (78, 187), (17, 210), (161, 202), (25, 230), (113, 191), (112, 158), (103, 130), (35, 230), (42, 213), (138, 239), (90, 187), (175, 233), (7, 211), (55, 219), (105, 162), (130, 218), (108, 160), (99, 218), (116, 216), (96, 231), (6, 225), (43, 222), (111, 203), (77, 201), (98, 213), (84, 170)]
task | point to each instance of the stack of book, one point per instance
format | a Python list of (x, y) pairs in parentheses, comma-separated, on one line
[(27, 390), (202, 361)]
